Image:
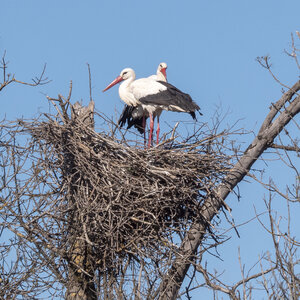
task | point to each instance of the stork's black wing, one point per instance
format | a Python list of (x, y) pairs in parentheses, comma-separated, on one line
[(171, 99), (126, 113), (126, 117)]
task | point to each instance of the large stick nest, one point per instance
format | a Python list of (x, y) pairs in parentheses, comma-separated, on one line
[(122, 201)]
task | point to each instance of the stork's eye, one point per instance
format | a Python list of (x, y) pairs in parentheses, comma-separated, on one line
[(125, 73), (161, 66)]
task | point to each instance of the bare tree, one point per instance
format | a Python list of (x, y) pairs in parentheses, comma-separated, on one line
[(89, 214)]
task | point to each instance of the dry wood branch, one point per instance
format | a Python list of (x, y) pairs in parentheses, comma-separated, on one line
[(287, 148), (10, 78)]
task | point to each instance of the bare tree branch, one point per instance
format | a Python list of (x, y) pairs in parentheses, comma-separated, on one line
[(9, 78), (287, 148), (172, 281)]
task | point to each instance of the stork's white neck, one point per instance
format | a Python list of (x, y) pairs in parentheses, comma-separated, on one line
[(125, 93), (126, 83), (160, 76)]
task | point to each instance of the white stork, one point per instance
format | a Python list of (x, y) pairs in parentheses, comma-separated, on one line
[(149, 95), (137, 116)]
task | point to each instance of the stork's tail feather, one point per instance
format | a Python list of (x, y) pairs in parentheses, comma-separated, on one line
[(192, 113), (125, 115), (137, 123)]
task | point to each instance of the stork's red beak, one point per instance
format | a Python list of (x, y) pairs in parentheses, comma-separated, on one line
[(117, 80), (164, 72)]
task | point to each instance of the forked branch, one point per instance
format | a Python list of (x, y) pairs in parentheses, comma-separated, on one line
[(10, 78)]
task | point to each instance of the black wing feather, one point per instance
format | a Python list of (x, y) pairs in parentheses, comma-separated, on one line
[(126, 113), (171, 97), (126, 117)]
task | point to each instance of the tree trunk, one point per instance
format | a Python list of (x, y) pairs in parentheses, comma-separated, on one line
[(81, 275)]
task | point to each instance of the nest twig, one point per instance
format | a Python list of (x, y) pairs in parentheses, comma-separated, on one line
[(126, 202)]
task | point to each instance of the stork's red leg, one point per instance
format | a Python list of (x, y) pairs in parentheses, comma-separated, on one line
[(157, 131), (144, 128), (151, 131)]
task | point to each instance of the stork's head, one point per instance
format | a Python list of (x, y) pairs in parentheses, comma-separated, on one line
[(125, 74), (162, 67)]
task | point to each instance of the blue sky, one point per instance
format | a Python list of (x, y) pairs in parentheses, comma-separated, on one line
[(210, 48)]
